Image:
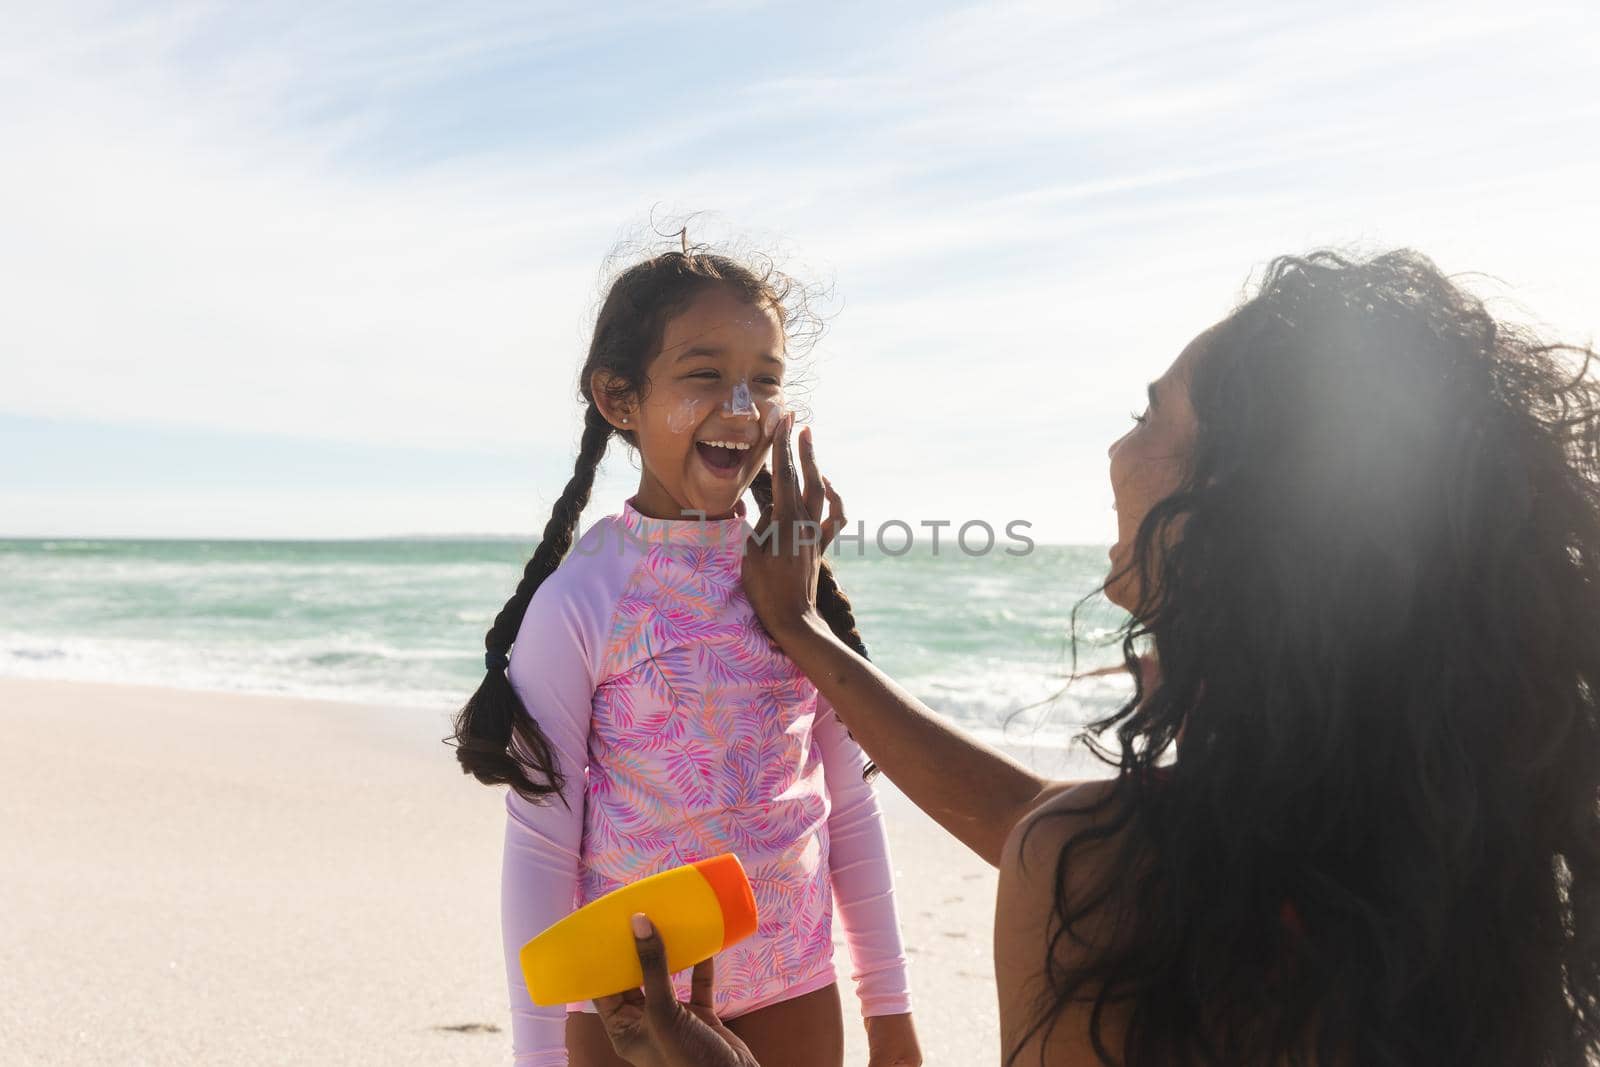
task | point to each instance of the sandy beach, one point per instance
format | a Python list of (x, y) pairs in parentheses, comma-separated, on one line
[(211, 878)]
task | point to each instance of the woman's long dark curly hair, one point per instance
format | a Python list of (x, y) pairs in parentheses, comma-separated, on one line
[(497, 740), (1377, 620)]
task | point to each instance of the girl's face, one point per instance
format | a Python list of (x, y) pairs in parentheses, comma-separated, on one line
[(1147, 465), (715, 396)]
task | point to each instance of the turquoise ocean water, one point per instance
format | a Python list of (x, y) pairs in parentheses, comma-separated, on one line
[(400, 622)]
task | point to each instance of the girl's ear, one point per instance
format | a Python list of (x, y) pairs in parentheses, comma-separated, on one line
[(620, 413)]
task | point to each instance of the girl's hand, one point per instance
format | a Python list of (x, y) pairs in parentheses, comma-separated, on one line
[(651, 1028), (782, 556), (892, 1042)]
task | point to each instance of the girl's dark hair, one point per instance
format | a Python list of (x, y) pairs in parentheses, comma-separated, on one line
[(497, 740), (1375, 603)]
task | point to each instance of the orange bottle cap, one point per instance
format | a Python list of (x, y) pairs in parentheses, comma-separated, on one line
[(725, 874)]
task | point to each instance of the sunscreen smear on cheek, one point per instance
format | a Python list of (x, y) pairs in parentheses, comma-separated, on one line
[(685, 415)]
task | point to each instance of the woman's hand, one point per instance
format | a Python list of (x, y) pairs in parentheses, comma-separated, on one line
[(892, 1042), (782, 556), (651, 1028)]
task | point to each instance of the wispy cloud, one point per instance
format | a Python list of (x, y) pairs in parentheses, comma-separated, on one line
[(384, 224)]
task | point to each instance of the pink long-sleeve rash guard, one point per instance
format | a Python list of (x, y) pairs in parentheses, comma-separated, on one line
[(682, 732)]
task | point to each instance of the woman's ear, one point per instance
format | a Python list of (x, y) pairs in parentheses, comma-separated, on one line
[(620, 413)]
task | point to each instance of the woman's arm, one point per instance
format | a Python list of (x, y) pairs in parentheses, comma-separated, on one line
[(974, 791)]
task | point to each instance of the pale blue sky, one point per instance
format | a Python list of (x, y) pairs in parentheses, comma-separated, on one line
[(295, 270)]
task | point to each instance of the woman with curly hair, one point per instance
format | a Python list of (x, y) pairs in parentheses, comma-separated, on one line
[(1353, 815)]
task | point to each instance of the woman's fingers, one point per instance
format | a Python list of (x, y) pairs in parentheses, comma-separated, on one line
[(651, 1029), (785, 481), (780, 470), (835, 520), (658, 993), (768, 442), (623, 1017), (812, 495), (703, 984), (763, 520), (609, 1005)]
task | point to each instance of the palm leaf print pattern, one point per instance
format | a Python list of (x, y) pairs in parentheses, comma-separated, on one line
[(700, 743)]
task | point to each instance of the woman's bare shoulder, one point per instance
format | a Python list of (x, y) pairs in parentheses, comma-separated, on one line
[(1063, 810), (1032, 880), (1030, 859)]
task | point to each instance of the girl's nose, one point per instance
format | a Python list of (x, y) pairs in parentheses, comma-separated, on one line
[(741, 403)]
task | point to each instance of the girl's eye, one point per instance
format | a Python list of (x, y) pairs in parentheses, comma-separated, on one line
[(706, 375), (1139, 416), (768, 381)]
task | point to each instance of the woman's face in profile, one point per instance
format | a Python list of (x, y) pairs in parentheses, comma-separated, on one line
[(1147, 464)]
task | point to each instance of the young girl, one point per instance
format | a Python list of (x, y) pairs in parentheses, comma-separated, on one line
[(643, 718)]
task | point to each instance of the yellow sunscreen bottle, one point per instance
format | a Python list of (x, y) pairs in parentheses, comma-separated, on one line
[(699, 909)]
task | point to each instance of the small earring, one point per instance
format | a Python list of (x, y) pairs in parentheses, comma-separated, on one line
[(624, 418)]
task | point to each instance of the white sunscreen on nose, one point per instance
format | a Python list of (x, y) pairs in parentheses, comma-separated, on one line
[(741, 403)]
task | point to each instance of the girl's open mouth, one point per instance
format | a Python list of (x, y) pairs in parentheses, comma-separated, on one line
[(722, 457)]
